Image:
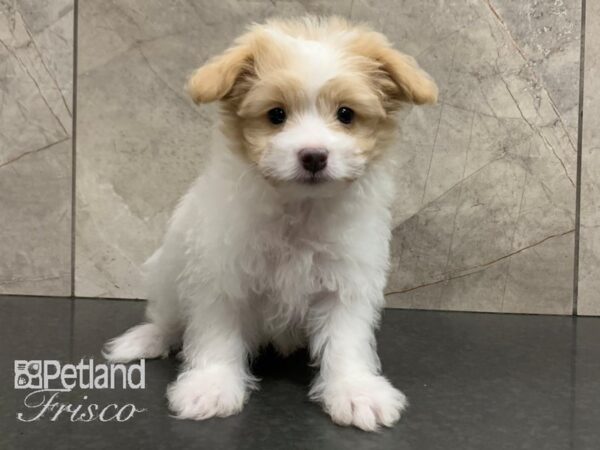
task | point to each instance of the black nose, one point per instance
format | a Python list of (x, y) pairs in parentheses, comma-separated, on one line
[(313, 159)]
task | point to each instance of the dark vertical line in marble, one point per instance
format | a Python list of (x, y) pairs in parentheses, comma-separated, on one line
[(73, 180), (74, 144), (579, 162)]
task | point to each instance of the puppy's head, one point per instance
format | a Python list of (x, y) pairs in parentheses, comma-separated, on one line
[(310, 102)]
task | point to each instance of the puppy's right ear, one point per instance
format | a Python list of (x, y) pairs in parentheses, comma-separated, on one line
[(216, 78)]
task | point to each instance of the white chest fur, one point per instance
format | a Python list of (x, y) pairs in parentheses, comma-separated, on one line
[(240, 236)]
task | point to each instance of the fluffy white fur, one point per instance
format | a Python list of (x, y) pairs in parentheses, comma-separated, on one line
[(246, 262)]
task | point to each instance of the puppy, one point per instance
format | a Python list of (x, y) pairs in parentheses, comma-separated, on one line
[(284, 238)]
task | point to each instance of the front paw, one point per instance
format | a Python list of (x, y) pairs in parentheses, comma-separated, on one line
[(365, 401), (211, 392)]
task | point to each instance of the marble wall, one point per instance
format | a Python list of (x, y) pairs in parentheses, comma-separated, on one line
[(485, 213), (486, 209), (36, 54)]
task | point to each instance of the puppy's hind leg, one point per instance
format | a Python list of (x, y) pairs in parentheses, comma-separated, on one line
[(162, 332), (146, 340)]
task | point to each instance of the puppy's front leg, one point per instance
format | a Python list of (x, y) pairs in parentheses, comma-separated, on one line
[(349, 384), (215, 380)]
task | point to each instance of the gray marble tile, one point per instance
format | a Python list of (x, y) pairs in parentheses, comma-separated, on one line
[(36, 41), (35, 193), (548, 35), (485, 178), (527, 292), (589, 244), (501, 170)]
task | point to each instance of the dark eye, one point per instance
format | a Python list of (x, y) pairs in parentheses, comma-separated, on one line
[(276, 116), (345, 115)]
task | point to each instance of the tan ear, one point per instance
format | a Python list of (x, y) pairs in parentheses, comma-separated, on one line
[(216, 78), (410, 83), (414, 84)]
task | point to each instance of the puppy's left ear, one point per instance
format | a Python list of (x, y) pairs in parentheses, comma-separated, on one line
[(399, 75), (413, 84), (217, 77)]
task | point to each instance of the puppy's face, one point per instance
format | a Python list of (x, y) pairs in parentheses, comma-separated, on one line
[(311, 102)]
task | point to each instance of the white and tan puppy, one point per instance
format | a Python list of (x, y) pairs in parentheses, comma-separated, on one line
[(285, 236)]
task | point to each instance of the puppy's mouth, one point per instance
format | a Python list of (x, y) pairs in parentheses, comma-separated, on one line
[(313, 178), (305, 179)]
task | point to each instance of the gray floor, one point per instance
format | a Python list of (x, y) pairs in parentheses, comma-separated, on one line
[(475, 381)]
